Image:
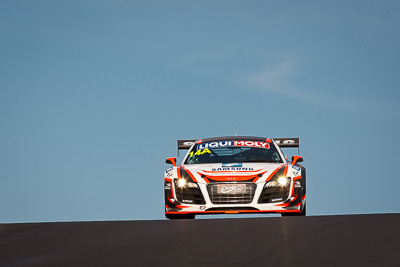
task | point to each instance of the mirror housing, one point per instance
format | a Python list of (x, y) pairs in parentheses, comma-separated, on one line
[(296, 159), (171, 161)]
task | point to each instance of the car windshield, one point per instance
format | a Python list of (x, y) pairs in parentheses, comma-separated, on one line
[(233, 152)]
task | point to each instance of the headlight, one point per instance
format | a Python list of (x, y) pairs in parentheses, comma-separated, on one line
[(181, 182), (188, 192), (192, 185), (283, 181), (279, 182)]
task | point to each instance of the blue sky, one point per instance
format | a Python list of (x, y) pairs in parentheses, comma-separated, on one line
[(94, 95)]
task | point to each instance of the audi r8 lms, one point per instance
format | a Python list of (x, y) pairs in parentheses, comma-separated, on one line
[(226, 175)]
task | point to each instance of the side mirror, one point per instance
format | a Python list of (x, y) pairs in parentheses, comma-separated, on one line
[(171, 161), (296, 159)]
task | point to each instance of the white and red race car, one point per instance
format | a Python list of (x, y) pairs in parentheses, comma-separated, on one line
[(226, 175)]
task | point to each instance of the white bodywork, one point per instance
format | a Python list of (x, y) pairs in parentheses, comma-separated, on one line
[(232, 177)]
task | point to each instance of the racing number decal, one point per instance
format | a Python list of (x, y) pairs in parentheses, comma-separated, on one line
[(200, 152)]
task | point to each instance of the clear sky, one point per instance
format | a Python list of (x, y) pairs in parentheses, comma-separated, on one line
[(94, 95)]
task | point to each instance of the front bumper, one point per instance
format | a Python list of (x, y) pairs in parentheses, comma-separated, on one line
[(205, 203)]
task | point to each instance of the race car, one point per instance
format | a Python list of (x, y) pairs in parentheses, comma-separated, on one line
[(235, 174)]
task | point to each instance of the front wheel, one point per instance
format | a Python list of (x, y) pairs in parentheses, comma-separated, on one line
[(180, 216), (302, 212)]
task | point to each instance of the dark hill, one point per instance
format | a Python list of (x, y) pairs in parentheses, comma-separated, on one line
[(346, 240)]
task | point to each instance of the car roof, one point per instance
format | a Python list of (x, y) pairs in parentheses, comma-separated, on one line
[(226, 138)]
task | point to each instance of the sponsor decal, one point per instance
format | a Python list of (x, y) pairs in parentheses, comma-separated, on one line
[(169, 174), (199, 152), (296, 168), (232, 189), (169, 170), (232, 169), (167, 186), (287, 142), (251, 144), (231, 164), (230, 178), (188, 143), (233, 143)]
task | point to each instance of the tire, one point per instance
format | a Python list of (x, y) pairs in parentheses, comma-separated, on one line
[(302, 212), (180, 216)]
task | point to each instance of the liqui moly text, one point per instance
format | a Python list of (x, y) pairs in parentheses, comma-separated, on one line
[(233, 143)]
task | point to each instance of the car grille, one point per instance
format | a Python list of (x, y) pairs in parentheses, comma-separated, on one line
[(228, 198)]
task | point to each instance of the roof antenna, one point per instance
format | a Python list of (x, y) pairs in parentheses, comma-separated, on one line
[(235, 130)]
